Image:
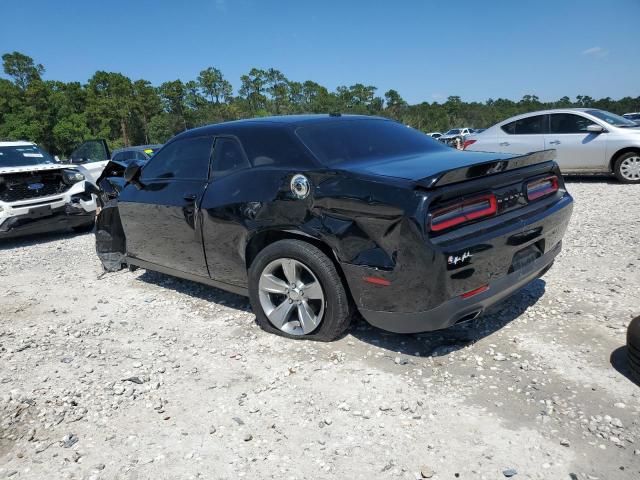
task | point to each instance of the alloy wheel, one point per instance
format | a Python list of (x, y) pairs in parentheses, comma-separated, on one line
[(291, 296)]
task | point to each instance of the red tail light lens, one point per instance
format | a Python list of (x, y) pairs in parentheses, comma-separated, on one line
[(465, 211), (542, 187), (467, 143)]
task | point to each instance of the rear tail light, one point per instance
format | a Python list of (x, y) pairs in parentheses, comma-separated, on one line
[(464, 211), (468, 143), (542, 187)]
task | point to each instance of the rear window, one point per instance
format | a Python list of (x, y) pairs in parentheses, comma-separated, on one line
[(356, 140), (23, 156)]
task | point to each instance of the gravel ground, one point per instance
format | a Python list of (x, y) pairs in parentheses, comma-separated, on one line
[(140, 375)]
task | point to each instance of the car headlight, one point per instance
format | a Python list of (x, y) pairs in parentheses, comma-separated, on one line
[(72, 176)]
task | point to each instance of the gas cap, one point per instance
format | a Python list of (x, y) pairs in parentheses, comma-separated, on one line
[(300, 186)]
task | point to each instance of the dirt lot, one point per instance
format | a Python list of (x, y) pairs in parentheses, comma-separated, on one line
[(140, 375)]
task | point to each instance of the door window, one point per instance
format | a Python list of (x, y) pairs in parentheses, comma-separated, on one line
[(569, 123), (273, 146), (228, 157), (90, 151), (183, 159), (526, 126)]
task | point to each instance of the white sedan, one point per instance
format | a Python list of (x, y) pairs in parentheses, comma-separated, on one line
[(586, 140)]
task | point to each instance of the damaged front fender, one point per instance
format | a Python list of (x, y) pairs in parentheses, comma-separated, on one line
[(110, 239)]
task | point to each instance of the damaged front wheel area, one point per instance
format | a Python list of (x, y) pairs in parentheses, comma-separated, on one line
[(110, 240)]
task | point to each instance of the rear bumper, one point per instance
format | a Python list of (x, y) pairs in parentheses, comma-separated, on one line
[(461, 309)]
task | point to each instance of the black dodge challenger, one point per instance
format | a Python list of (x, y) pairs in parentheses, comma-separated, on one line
[(316, 217)]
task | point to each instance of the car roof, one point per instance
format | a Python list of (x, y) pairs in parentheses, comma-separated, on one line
[(288, 121), (18, 143), (542, 112)]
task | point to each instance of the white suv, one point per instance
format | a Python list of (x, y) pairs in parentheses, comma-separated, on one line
[(38, 194)]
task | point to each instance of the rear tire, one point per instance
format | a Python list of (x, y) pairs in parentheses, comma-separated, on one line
[(333, 311), (633, 348), (627, 167)]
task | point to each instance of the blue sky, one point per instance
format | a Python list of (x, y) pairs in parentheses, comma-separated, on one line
[(425, 50)]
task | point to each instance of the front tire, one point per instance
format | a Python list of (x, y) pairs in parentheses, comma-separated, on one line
[(296, 292), (627, 167)]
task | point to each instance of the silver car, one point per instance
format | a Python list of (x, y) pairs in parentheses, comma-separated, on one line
[(586, 140)]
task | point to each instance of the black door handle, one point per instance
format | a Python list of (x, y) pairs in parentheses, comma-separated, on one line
[(190, 197)]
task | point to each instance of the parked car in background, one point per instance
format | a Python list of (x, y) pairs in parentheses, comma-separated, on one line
[(634, 117), (38, 194), (586, 140), (138, 152), (435, 135), (314, 216), (455, 137)]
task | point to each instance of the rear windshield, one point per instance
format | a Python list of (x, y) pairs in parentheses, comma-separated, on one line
[(356, 140), (23, 156), (455, 131)]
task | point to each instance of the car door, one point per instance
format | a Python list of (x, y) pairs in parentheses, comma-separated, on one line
[(522, 136), (91, 157), (160, 215), (577, 150)]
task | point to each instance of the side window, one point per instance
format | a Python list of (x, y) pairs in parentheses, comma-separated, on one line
[(509, 128), (228, 156), (141, 156), (569, 123), (90, 151), (527, 126), (273, 146), (118, 157), (184, 159)]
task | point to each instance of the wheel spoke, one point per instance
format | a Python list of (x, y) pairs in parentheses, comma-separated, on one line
[(272, 284), (289, 269), (307, 317), (280, 315), (313, 291)]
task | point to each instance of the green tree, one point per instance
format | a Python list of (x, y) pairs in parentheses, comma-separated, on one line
[(21, 68)]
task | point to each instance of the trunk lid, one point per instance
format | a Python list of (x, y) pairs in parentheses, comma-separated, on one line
[(446, 166)]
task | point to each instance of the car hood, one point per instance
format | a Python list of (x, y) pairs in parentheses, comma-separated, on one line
[(32, 168), (445, 165)]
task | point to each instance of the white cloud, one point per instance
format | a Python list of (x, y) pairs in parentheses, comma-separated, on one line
[(596, 52)]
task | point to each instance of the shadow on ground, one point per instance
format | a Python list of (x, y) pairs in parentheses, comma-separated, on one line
[(590, 179), (436, 343), (620, 362), (196, 290), (443, 342), (37, 238)]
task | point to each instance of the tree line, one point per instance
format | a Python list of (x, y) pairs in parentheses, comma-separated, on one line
[(59, 115)]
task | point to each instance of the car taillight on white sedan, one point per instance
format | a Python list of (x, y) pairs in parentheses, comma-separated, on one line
[(462, 212), (542, 187), (467, 143)]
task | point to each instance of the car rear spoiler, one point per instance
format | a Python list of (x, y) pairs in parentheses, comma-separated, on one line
[(487, 168)]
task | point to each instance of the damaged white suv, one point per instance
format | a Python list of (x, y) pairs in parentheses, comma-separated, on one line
[(39, 194)]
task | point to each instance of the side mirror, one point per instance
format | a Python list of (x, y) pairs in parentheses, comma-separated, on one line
[(132, 173), (593, 128)]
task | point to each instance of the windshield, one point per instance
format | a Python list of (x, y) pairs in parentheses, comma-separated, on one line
[(24, 156), (455, 131), (357, 140), (612, 118)]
